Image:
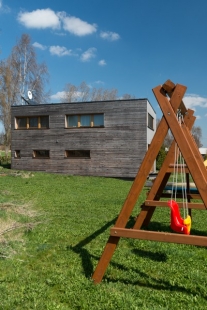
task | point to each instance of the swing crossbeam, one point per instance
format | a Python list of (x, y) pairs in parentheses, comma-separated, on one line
[(158, 236), (153, 203), (169, 97)]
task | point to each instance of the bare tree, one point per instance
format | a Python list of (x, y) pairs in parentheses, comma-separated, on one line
[(83, 92), (128, 96), (27, 73), (7, 98), (1, 138), (70, 93), (100, 94), (197, 134), (18, 74)]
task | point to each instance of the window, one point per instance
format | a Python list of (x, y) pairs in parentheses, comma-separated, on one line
[(21, 122), (85, 120), (17, 154), (41, 154), (98, 120), (77, 153), (34, 122), (150, 122), (72, 121)]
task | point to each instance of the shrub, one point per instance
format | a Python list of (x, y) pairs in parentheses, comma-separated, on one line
[(160, 158)]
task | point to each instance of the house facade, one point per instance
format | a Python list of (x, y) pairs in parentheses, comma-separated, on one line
[(107, 138)]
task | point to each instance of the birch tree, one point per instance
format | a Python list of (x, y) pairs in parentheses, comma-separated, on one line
[(27, 73), (7, 97), (18, 74)]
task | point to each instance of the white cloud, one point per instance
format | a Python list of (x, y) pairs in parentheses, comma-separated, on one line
[(102, 62), (99, 82), (76, 26), (89, 54), (58, 96), (40, 19), (192, 101), (62, 96), (60, 51), (61, 34), (110, 36), (47, 18), (4, 8), (40, 46)]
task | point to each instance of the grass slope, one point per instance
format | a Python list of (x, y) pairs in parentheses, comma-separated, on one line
[(53, 229)]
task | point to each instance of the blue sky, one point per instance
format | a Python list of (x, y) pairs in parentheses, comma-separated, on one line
[(130, 45)]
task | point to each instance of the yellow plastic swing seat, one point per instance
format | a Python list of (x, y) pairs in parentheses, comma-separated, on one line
[(187, 223)]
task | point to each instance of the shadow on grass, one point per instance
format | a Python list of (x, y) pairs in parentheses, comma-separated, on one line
[(154, 256), (84, 254), (147, 280)]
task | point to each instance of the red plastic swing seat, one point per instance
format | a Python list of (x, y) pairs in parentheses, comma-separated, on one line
[(177, 222)]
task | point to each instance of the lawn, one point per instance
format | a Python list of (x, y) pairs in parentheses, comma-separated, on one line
[(53, 229)]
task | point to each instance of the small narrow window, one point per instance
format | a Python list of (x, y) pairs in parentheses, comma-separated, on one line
[(17, 154), (77, 153), (150, 122), (41, 154)]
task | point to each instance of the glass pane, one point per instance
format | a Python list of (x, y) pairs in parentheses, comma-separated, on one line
[(78, 153), (85, 120), (22, 122), (17, 154), (33, 122), (41, 154), (98, 120), (150, 121), (72, 121), (44, 121)]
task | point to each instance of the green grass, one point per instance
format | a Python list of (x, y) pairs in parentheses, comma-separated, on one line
[(53, 229)]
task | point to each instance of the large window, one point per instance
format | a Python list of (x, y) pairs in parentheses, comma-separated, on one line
[(77, 153), (150, 122), (34, 122), (41, 154), (85, 120)]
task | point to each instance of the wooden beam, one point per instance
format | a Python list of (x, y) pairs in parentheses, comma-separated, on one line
[(189, 196), (158, 236), (185, 143), (138, 184), (191, 205), (162, 178)]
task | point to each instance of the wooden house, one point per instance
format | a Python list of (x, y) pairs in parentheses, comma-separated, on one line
[(107, 138)]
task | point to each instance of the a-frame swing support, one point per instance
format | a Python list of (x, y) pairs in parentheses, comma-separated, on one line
[(169, 97)]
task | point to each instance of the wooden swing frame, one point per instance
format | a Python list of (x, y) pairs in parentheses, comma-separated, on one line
[(170, 98)]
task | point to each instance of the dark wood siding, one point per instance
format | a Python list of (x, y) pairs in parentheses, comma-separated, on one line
[(116, 150)]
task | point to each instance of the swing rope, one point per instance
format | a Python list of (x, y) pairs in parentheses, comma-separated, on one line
[(181, 225)]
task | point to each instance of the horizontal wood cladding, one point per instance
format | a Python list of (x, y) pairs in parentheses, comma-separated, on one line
[(116, 150)]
